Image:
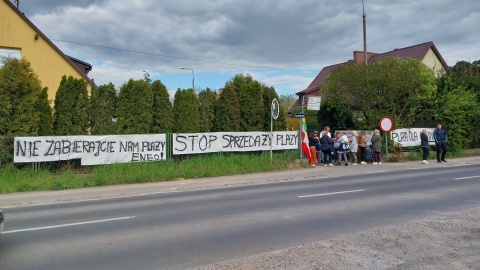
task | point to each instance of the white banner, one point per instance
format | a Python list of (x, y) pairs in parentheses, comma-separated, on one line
[(411, 136), (198, 143), (92, 150)]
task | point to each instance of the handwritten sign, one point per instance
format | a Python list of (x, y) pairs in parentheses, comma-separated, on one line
[(92, 150), (411, 136), (198, 143)]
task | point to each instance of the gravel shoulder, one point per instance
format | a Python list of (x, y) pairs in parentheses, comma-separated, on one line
[(444, 242)]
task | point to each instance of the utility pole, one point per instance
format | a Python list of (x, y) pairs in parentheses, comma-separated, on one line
[(365, 58)]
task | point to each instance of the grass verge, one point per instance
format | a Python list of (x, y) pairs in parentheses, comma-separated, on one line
[(13, 179)]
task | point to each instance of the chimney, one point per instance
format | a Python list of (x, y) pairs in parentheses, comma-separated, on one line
[(358, 57)]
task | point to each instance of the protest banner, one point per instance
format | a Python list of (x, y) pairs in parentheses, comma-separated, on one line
[(411, 136), (92, 150), (198, 143)]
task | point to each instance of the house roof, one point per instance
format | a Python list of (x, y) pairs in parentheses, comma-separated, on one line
[(320, 79), (83, 72), (418, 52), (87, 67)]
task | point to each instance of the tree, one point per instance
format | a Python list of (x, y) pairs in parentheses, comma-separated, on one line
[(395, 87), (71, 109), (19, 92), (162, 109), (207, 99), (458, 111), (134, 108), (186, 115), (44, 110), (250, 99), (227, 112), (336, 115), (286, 102), (454, 107), (103, 109)]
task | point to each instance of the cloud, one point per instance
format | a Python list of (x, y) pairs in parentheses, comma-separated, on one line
[(289, 34)]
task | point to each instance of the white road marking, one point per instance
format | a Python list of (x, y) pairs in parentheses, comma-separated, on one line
[(332, 193), (468, 177), (376, 172), (67, 225)]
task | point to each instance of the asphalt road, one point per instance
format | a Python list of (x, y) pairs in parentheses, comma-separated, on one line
[(186, 229)]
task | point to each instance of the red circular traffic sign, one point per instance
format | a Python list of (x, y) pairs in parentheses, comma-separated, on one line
[(386, 124)]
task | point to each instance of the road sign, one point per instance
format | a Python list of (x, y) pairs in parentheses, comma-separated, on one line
[(314, 103), (275, 108), (299, 115), (386, 124)]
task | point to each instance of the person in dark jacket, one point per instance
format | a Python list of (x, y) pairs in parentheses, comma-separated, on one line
[(424, 145), (376, 147), (325, 142), (440, 137)]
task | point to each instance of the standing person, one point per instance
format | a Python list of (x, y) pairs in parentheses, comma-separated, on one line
[(336, 144), (440, 137), (424, 145), (326, 130), (316, 141), (362, 144), (342, 149), (376, 147), (326, 143), (353, 148), (313, 149)]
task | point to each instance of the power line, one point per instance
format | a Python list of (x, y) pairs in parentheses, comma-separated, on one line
[(178, 57)]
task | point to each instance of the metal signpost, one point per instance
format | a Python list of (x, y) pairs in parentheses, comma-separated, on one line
[(386, 125), (274, 114)]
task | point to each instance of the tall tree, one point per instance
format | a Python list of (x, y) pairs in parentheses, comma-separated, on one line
[(227, 112), (186, 115), (19, 92), (162, 109), (399, 88), (134, 108), (103, 101), (250, 99), (71, 109), (207, 99), (44, 110), (286, 102)]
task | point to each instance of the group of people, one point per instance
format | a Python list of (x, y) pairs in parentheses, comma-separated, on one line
[(440, 137), (340, 150)]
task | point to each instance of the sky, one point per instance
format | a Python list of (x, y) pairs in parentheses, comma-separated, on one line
[(282, 43)]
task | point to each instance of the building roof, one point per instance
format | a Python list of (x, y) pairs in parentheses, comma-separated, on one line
[(418, 52), (320, 79), (82, 71)]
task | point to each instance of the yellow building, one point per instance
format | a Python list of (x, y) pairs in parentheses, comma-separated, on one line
[(20, 38)]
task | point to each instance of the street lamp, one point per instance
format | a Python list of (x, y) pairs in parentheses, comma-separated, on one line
[(193, 78)]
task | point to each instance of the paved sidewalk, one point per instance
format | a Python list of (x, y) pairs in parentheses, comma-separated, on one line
[(106, 192)]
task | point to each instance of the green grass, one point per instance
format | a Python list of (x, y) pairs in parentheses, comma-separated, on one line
[(13, 179)]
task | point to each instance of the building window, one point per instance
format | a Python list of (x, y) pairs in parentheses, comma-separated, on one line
[(8, 53)]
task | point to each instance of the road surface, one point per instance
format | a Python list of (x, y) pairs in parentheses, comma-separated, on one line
[(182, 228)]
